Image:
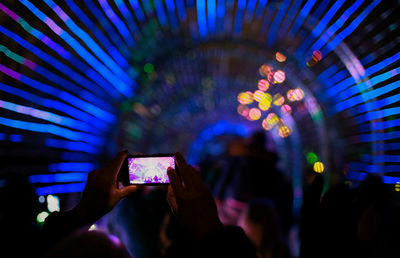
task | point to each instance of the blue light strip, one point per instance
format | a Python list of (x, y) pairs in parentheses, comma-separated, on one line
[(288, 19), (58, 178), (90, 43), (332, 91), (238, 23), (77, 102), (318, 29), (379, 125), (261, 8), (377, 114), (119, 24), (71, 166), (180, 6), (334, 27), (65, 69), (315, 17), (202, 17), (366, 96), (380, 169), (138, 10), (220, 15), (391, 180), (52, 129), (162, 17), (72, 146), (109, 28), (173, 21), (47, 116), (63, 83), (53, 104), (251, 6), (127, 15), (301, 17), (375, 105), (349, 29), (280, 14), (60, 189), (117, 54), (212, 16), (379, 136), (103, 70), (358, 176)]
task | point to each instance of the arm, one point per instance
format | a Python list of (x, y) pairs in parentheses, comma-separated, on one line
[(194, 206), (100, 195)]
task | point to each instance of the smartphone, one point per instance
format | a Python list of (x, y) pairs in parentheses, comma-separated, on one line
[(147, 169)]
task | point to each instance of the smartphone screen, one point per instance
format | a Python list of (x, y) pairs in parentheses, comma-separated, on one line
[(149, 169)]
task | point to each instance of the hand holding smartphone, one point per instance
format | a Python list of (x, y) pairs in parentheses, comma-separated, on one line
[(147, 169)]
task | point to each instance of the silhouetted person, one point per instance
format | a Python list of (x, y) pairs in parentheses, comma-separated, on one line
[(261, 224), (190, 200), (20, 233), (251, 173)]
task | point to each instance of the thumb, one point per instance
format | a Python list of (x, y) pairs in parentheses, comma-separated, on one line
[(127, 190)]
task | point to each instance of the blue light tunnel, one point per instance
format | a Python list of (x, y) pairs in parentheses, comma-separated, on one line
[(92, 77)]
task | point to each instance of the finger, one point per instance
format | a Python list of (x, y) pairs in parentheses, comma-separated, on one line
[(117, 162), (127, 190), (171, 198), (184, 169), (174, 180)]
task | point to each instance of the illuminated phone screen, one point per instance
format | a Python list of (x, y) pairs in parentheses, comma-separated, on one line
[(149, 170)]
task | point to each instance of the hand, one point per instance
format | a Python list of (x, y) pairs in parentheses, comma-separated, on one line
[(190, 200), (101, 192)]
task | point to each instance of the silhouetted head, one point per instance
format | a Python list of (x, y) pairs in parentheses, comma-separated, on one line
[(89, 244), (257, 141)]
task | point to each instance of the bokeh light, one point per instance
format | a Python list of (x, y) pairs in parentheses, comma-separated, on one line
[(41, 217), (318, 167), (278, 99), (279, 76), (286, 109), (263, 85), (295, 95), (265, 70), (280, 57), (284, 131), (311, 157), (245, 98), (266, 125), (254, 114), (243, 110), (264, 105), (272, 119)]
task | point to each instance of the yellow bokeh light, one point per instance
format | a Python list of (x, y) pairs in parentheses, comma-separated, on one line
[(254, 114), (261, 96), (279, 76), (263, 85), (286, 109), (280, 57), (284, 131), (272, 119), (245, 98), (278, 99), (318, 167), (264, 105)]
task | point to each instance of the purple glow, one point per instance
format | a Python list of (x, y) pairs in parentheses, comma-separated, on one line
[(54, 27), (10, 72), (29, 63), (9, 12)]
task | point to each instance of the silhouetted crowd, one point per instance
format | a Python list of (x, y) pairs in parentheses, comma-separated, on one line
[(235, 205)]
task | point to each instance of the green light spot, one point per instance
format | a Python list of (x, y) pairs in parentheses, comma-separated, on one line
[(148, 68), (311, 158)]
